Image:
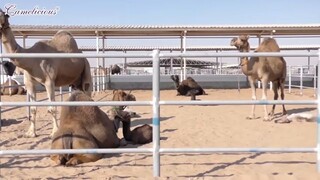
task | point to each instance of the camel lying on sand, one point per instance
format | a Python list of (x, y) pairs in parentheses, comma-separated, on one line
[(265, 69), (188, 87), (84, 127), (115, 69), (12, 90), (140, 135)]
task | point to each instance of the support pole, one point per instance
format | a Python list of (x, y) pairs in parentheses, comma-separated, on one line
[(301, 80), (1, 78), (318, 116), (97, 82), (125, 64), (184, 59), (104, 84), (156, 113), (290, 78)]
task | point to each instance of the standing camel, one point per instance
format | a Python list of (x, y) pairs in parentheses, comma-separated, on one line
[(265, 69), (50, 72)]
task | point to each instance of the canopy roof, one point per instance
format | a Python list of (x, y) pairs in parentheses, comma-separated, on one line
[(153, 30)]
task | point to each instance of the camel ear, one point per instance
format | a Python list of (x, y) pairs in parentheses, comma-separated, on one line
[(244, 37)]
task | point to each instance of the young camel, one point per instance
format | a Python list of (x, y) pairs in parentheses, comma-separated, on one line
[(265, 69), (50, 72), (84, 127)]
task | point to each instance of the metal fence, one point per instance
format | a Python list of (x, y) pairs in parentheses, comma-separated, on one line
[(156, 150)]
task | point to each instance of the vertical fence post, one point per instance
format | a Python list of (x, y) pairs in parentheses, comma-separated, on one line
[(318, 115), (301, 80), (156, 112), (290, 74), (315, 79), (61, 95), (1, 61)]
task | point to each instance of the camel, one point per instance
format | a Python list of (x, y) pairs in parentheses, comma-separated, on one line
[(265, 69), (50, 72), (120, 95), (100, 71), (115, 69), (9, 68), (188, 87), (12, 90), (83, 127)]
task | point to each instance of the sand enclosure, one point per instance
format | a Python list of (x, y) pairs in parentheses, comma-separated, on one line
[(181, 127)]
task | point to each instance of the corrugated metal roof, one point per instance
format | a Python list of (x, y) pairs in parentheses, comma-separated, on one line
[(172, 30)]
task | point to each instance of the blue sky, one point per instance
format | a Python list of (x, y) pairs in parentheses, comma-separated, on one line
[(171, 12)]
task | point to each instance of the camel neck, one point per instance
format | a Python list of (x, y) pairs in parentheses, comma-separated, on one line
[(9, 41), (126, 130), (11, 46)]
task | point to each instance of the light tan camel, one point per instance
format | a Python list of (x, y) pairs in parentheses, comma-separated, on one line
[(84, 127), (265, 69), (100, 71), (50, 72), (12, 90)]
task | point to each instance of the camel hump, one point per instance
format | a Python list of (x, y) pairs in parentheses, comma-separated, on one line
[(79, 96), (268, 45), (64, 41)]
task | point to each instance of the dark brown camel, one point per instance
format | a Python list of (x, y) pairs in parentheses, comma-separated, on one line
[(115, 69), (188, 87), (265, 69), (84, 127)]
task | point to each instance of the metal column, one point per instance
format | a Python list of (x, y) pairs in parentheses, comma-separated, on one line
[(97, 79), (156, 113), (184, 42), (318, 116)]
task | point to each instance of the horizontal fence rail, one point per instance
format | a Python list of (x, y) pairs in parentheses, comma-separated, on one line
[(156, 150), (150, 103), (161, 55)]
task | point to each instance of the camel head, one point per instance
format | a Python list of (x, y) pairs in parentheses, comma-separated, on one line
[(241, 42), (4, 22), (120, 95)]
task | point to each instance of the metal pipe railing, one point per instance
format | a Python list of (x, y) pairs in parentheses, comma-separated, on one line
[(156, 150)]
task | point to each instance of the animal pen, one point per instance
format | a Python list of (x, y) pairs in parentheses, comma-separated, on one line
[(156, 150)]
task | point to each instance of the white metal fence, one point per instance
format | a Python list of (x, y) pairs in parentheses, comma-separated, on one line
[(156, 103)]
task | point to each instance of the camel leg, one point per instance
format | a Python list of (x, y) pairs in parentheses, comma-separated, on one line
[(31, 90), (264, 83), (83, 143), (276, 95), (284, 111), (52, 109), (254, 97)]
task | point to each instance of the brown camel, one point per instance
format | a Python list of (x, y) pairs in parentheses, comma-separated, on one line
[(84, 127), (265, 69), (50, 72), (188, 87), (12, 90), (120, 95), (140, 135)]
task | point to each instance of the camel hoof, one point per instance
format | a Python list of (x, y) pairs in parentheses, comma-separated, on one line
[(123, 142), (73, 161), (30, 135), (283, 120), (252, 117)]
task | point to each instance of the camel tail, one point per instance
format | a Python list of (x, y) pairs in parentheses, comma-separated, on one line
[(67, 141), (87, 79)]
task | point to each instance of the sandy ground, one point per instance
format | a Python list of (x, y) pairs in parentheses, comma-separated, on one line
[(181, 126)]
